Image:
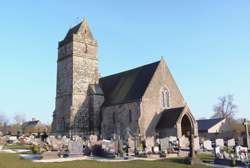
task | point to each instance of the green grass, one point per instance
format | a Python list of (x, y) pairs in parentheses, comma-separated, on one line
[(13, 161), (17, 146), (207, 158)]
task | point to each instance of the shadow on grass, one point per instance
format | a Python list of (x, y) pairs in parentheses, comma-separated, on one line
[(176, 160)]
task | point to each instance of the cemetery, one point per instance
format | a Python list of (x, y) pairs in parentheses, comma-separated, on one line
[(47, 148)]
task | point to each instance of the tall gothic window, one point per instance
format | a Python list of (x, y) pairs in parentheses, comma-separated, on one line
[(165, 98)]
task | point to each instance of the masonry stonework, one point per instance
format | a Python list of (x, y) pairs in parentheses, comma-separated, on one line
[(144, 101), (77, 68)]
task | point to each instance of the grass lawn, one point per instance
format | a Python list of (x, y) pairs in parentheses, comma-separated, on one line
[(8, 160), (16, 146)]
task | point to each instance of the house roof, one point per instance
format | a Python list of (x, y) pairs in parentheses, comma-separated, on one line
[(31, 123), (204, 125), (169, 118), (127, 86)]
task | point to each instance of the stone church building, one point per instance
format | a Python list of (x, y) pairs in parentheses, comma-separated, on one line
[(144, 101)]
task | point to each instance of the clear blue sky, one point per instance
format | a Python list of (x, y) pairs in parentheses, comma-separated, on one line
[(206, 44)]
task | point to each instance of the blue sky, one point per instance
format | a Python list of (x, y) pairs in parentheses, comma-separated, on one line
[(206, 44)]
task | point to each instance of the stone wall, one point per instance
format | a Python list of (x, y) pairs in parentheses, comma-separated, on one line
[(151, 102), (77, 68), (117, 119)]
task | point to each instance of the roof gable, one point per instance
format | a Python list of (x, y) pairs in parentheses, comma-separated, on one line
[(127, 86), (82, 29), (204, 125)]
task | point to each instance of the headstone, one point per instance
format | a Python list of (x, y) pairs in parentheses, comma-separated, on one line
[(231, 142), (219, 142), (156, 149), (131, 145), (218, 153), (149, 144), (192, 159), (184, 142), (50, 155), (196, 143), (75, 149), (65, 141), (207, 145), (241, 153), (56, 144), (164, 143), (93, 139), (245, 123)]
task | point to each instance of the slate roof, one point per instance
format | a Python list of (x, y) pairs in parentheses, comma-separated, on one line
[(127, 86), (169, 118), (30, 123), (204, 125), (95, 89)]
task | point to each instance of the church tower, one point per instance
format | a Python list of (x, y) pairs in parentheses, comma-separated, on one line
[(77, 70)]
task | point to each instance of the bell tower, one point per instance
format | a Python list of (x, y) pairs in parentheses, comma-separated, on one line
[(77, 69)]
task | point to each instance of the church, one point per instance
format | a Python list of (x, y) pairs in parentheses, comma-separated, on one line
[(144, 101)]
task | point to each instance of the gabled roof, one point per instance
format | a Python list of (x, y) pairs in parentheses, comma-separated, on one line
[(30, 123), (82, 28), (169, 118), (204, 125), (127, 86)]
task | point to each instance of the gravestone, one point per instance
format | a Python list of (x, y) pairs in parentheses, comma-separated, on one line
[(65, 140), (149, 144), (192, 159), (218, 153), (196, 143), (50, 155), (231, 142), (164, 143), (219, 142), (75, 149), (184, 142), (247, 138), (131, 145), (207, 145), (93, 139), (56, 144)]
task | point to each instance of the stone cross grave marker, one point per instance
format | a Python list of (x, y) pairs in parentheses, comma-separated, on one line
[(245, 123)]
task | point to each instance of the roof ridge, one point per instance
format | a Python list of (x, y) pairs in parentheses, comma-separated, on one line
[(142, 66)]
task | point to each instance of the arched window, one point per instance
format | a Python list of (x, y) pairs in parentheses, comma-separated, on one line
[(165, 98)]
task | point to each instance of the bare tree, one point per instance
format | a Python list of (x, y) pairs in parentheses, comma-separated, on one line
[(19, 119), (17, 126), (225, 107), (3, 119)]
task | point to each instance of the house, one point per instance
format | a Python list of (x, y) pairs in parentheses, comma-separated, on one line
[(216, 128), (33, 127)]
